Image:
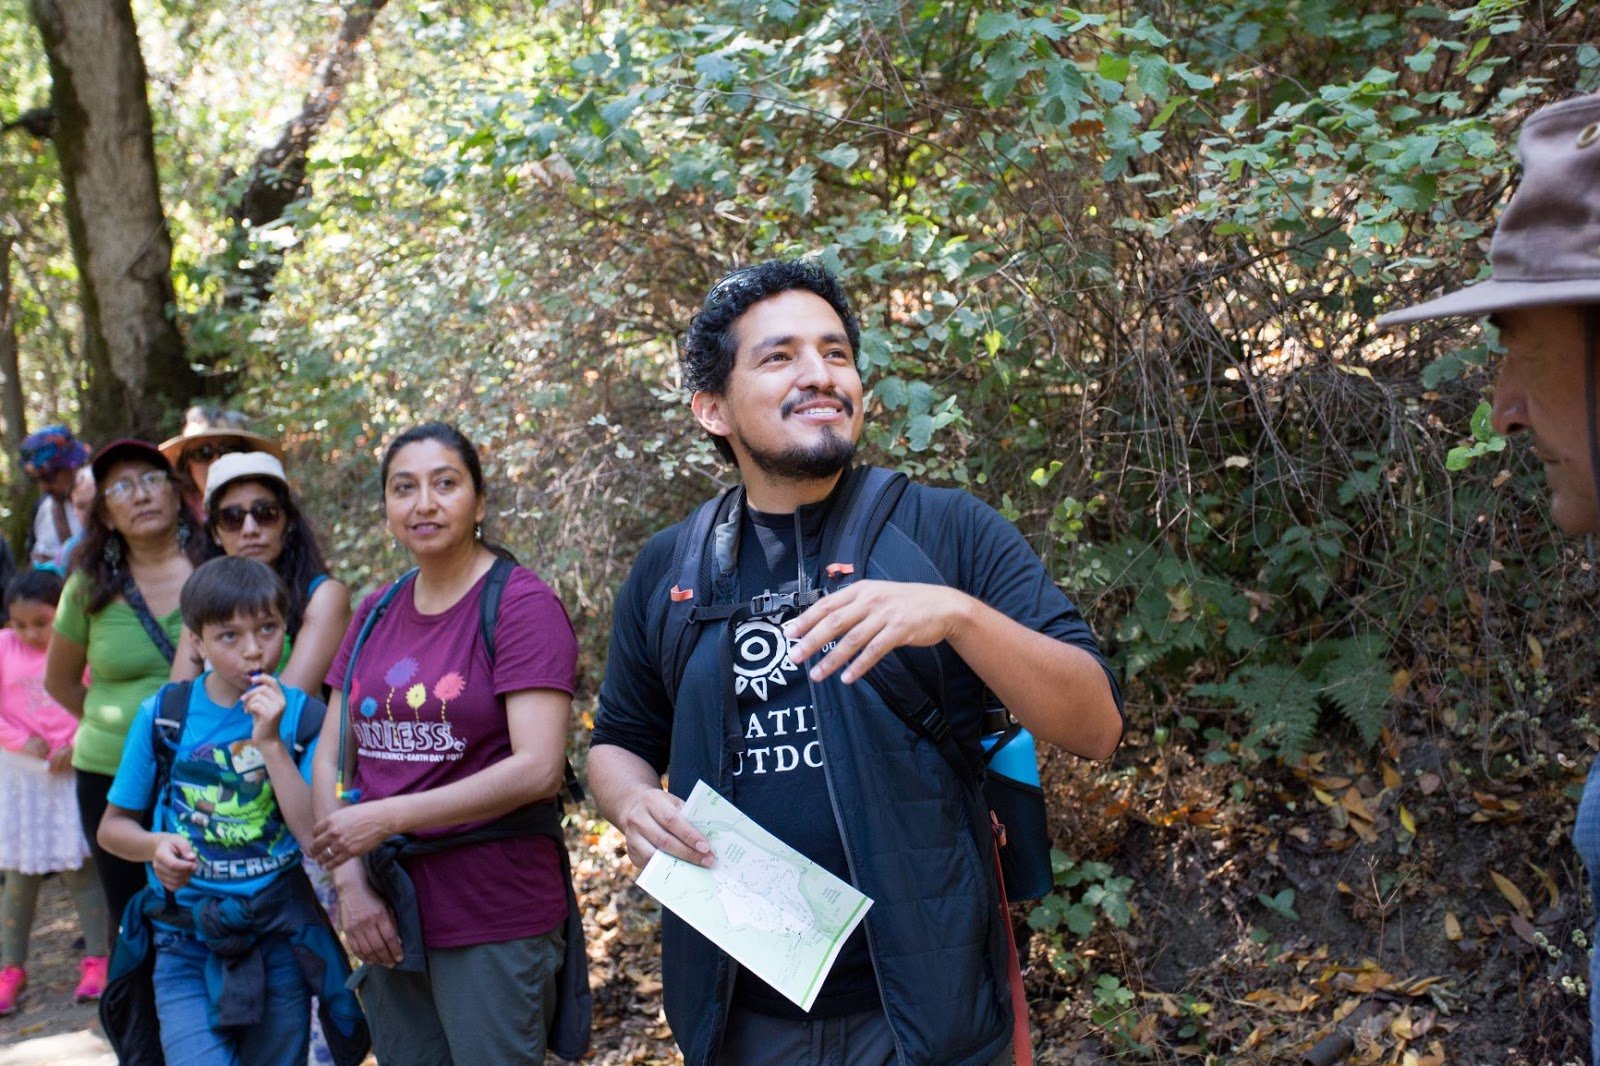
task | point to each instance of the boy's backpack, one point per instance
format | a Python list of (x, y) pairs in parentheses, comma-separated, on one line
[(869, 496), (494, 587), (172, 711)]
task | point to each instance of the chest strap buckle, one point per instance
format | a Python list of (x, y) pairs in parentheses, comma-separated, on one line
[(774, 602)]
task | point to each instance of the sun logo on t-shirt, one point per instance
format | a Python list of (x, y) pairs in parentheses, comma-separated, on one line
[(761, 658)]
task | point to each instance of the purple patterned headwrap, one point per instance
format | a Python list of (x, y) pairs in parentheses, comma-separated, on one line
[(52, 449)]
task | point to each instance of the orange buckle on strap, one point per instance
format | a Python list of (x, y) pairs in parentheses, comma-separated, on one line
[(999, 828), (680, 595), (840, 569)]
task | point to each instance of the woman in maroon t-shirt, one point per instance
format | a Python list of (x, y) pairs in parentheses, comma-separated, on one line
[(446, 741)]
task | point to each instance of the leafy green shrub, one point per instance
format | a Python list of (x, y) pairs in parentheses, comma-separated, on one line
[(1086, 894)]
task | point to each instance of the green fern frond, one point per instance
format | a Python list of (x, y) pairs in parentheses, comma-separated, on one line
[(1279, 704), (1354, 678)]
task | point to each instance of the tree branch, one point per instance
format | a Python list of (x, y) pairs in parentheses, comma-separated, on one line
[(277, 178), (39, 121)]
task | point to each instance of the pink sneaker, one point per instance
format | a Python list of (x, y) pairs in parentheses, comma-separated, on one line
[(13, 979), (91, 978)]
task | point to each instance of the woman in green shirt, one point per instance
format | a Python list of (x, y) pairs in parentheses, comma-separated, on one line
[(119, 617)]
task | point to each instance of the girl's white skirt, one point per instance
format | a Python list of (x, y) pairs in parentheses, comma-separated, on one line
[(39, 829)]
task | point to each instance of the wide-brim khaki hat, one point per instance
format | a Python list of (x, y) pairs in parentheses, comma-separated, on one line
[(1546, 249), (174, 447)]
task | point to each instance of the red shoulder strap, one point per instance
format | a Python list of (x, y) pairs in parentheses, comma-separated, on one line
[(1021, 1037)]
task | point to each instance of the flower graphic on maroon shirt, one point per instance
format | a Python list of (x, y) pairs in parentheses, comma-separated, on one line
[(397, 677), (448, 688), (401, 672)]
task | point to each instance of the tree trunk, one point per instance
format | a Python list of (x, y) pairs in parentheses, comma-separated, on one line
[(277, 178), (138, 373), (19, 487)]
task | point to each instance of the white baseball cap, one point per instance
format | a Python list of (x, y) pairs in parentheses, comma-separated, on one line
[(236, 465)]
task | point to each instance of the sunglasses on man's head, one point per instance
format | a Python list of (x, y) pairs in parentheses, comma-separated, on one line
[(265, 512), (209, 453)]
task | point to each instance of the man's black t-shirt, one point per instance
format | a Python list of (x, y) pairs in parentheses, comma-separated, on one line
[(780, 782)]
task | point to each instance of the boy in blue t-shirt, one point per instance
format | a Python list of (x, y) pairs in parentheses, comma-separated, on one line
[(226, 828)]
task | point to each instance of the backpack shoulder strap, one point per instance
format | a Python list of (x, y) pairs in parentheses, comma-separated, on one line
[(166, 728), (494, 588), (166, 731), (691, 586), (310, 725), (371, 620), (873, 496), (344, 769), (870, 498)]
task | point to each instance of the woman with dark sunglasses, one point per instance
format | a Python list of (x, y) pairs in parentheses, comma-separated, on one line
[(250, 511)]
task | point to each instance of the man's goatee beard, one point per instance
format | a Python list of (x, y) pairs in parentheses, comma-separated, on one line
[(824, 459)]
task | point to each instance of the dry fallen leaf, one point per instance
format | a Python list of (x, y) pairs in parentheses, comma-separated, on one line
[(1272, 999), (1512, 894), (1353, 802), (1416, 986), (1549, 884), (1452, 927)]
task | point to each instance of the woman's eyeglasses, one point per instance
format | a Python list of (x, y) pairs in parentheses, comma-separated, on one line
[(208, 453), (123, 488), (265, 512)]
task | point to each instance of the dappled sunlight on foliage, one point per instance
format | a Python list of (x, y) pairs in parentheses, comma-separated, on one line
[(1118, 268)]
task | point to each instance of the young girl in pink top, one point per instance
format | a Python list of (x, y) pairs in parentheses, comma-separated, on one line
[(39, 829)]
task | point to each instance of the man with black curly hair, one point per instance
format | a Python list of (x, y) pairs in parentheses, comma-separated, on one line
[(770, 708)]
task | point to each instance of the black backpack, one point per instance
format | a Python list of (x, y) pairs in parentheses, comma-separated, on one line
[(869, 496), (494, 587)]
